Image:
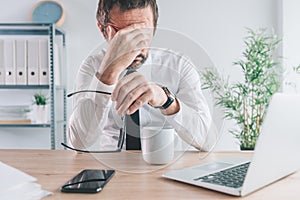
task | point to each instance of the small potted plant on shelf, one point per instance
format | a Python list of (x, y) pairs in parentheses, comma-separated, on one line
[(246, 102), (40, 100)]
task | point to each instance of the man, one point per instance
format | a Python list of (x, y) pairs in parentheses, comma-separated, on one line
[(128, 26)]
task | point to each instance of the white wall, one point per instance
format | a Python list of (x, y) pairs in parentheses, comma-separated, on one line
[(291, 44), (217, 25)]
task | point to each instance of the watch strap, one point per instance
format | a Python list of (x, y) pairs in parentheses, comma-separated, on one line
[(169, 101)]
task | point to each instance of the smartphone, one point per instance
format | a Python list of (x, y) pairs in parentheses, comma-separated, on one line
[(88, 181)]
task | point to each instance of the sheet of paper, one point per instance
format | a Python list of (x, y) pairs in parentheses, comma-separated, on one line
[(15, 184)]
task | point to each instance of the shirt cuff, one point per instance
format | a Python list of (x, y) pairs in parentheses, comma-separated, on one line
[(177, 117)]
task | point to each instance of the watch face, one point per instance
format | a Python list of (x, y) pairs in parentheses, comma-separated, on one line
[(47, 12)]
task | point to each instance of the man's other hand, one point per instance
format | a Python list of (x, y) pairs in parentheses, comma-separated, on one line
[(133, 91)]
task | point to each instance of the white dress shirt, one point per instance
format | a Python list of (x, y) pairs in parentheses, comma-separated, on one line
[(94, 121)]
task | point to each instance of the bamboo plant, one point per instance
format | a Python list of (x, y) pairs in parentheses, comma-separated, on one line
[(246, 102)]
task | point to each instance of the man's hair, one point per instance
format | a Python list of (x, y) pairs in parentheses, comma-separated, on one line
[(105, 6)]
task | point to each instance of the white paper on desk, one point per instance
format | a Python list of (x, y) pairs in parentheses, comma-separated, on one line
[(15, 184), (25, 191)]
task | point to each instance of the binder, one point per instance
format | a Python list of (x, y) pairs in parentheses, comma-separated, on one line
[(43, 62), (2, 71), (21, 62), (9, 62), (33, 61)]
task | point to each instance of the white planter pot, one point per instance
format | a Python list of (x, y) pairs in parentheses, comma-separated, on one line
[(41, 114)]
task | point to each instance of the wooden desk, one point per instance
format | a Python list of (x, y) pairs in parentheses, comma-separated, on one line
[(53, 168)]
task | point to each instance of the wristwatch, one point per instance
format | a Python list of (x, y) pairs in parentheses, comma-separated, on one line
[(169, 101)]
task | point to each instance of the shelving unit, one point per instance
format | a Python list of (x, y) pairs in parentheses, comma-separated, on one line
[(57, 92)]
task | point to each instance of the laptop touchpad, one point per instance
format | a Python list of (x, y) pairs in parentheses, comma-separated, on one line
[(213, 166)]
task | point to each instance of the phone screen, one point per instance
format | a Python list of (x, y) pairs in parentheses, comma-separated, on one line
[(88, 181)]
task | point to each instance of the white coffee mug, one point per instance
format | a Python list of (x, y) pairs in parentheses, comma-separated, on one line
[(157, 145)]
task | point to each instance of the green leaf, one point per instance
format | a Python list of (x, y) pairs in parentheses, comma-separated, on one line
[(40, 99)]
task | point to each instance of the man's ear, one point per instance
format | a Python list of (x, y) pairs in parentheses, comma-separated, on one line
[(103, 30)]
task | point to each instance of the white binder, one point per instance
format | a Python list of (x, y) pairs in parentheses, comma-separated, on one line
[(9, 62), (2, 70), (21, 61), (33, 61), (57, 65), (43, 62)]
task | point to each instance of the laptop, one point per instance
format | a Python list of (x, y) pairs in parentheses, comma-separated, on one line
[(276, 154)]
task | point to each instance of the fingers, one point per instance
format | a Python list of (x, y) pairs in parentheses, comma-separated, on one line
[(134, 100), (132, 92), (125, 86), (132, 35), (120, 83), (126, 45), (109, 33), (145, 93), (127, 91), (142, 100), (141, 41), (132, 28)]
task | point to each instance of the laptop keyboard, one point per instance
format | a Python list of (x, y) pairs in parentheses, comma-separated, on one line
[(233, 177)]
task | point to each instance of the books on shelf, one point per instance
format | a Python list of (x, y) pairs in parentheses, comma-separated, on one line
[(15, 184), (18, 114), (15, 121)]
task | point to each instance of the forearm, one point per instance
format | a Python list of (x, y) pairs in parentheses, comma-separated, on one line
[(86, 123), (194, 126), (89, 116)]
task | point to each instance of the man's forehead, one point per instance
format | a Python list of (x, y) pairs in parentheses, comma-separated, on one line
[(126, 18)]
